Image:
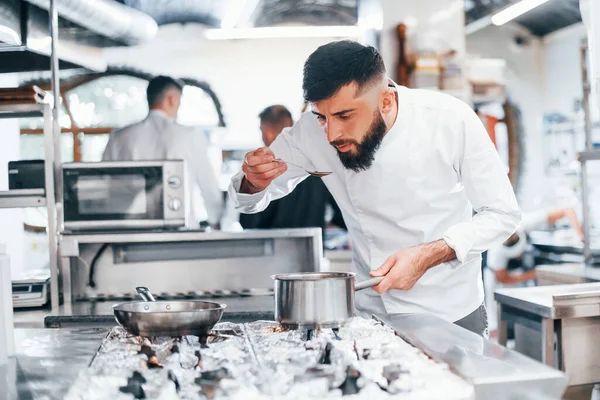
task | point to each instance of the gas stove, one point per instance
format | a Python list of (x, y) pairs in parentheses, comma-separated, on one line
[(263, 360)]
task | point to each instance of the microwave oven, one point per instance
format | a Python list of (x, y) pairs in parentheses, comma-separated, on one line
[(124, 195)]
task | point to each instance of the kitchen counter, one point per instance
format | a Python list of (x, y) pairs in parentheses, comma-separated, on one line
[(556, 325), (495, 371), (48, 360), (547, 301), (567, 273), (99, 313)]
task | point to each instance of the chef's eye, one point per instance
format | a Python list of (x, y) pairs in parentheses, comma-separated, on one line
[(321, 119), (344, 116)]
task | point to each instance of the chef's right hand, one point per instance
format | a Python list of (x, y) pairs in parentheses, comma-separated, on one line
[(260, 169)]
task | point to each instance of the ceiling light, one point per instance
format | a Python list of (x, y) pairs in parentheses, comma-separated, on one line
[(512, 12), (283, 32), (238, 11)]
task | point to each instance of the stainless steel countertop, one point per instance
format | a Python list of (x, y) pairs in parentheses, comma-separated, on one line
[(47, 362), (185, 235), (574, 270), (540, 300), (496, 372)]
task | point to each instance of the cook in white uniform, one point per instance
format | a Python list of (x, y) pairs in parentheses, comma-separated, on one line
[(512, 262), (160, 137), (409, 167)]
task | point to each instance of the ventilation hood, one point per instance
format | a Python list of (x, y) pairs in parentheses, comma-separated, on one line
[(84, 28)]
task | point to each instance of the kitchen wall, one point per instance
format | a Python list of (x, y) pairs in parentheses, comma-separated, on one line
[(11, 225), (525, 87), (431, 24), (247, 75), (563, 85)]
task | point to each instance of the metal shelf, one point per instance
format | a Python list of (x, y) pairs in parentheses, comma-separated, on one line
[(23, 110), (22, 198), (592, 155)]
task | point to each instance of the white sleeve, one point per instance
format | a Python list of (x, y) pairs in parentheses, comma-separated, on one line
[(489, 191), (285, 148)]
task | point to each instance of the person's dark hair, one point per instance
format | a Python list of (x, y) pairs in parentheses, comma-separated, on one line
[(338, 64), (275, 115), (157, 87)]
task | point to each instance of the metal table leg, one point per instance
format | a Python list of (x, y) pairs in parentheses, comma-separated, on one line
[(548, 342), (502, 327)]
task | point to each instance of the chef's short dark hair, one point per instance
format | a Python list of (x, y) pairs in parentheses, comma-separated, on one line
[(337, 64), (275, 115), (158, 86)]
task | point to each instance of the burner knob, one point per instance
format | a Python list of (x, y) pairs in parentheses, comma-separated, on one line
[(175, 204)]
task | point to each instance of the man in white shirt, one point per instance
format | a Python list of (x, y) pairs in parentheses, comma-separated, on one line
[(160, 137), (409, 167), (512, 262)]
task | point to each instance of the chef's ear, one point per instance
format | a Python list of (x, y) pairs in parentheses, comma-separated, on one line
[(387, 100)]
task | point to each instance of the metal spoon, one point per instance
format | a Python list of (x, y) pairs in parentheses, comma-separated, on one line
[(318, 174)]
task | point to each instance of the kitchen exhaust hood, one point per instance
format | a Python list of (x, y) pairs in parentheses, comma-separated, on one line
[(85, 27)]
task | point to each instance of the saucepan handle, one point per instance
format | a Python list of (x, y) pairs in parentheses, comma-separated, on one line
[(144, 293), (368, 283)]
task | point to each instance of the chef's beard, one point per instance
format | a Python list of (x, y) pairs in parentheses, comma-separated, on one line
[(362, 159)]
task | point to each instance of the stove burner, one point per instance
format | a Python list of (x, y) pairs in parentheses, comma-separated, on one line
[(309, 334), (209, 380), (393, 372), (326, 354), (250, 359), (172, 377), (336, 332), (134, 386), (203, 341), (350, 384), (199, 364), (279, 329), (152, 362), (366, 354), (214, 376)]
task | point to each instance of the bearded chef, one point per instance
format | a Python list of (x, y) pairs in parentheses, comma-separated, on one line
[(409, 168)]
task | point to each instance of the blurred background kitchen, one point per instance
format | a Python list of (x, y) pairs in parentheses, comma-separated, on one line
[(524, 66)]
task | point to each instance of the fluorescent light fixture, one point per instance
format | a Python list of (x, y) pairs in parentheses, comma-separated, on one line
[(283, 32), (512, 12), (238, 11)]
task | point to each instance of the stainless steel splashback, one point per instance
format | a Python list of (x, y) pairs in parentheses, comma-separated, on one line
[(182, 262)]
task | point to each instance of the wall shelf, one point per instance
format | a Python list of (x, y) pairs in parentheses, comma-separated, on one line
[(24, 110), (22, 198), (592, 155)]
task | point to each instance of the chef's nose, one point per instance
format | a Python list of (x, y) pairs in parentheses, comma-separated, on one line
[(333, 131)]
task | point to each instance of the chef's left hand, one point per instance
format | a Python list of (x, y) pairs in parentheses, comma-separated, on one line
[(401, 270), (405, 267)]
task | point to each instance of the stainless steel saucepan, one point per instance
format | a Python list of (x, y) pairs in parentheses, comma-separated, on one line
[(317, 299), (167, 318)]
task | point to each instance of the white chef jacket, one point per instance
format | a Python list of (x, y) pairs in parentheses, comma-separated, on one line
[(434, 167), (159, 137)]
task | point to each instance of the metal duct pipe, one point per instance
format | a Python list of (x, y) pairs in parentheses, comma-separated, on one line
[(106, 17)]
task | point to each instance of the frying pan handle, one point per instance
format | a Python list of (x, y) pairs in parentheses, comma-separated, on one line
[(144, 293), (368, 283)]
